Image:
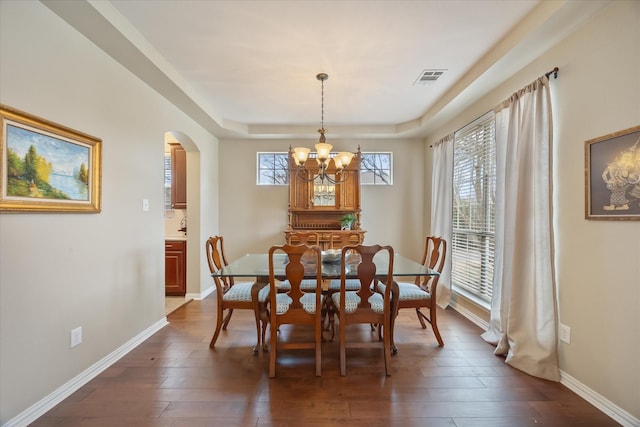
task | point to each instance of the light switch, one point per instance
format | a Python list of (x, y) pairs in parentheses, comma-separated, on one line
[(145, 205)]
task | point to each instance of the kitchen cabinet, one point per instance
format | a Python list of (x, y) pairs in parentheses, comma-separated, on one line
[(175, 271), (178, 177)]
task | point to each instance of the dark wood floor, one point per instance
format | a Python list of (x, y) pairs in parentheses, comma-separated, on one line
[(174, 379)]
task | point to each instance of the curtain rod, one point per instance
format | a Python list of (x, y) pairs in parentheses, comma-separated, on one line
[(554, 72), (555, 76)]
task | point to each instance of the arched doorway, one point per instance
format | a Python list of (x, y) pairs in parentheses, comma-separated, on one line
[(181, 250)]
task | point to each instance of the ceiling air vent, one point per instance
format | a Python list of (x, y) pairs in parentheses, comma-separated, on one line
[(428, 77)]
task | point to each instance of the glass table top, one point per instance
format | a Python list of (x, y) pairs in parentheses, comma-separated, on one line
[(256, 265)]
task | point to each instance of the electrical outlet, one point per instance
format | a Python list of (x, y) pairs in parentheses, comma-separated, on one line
[(145, 205), (565, 333), (76, 336)]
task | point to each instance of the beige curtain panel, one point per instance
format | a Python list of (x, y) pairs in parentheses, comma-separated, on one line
[(442, 195), (523, 323)]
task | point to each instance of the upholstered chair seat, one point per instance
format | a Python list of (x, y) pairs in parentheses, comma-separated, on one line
[(241, 291), (308, 301), (352, 301)]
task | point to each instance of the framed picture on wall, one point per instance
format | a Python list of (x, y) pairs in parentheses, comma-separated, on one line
[(612, 175), (47, 167)]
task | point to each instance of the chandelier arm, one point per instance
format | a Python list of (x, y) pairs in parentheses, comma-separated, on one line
[(344, 174), (300, 176)]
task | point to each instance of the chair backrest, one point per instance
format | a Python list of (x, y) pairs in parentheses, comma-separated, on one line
[(435, 252), (217, 260), (300, 259), (215, 254), (343, 238), (362, 258), (303, 237)]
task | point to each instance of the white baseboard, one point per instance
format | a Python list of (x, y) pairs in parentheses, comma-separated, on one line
[(606, 406), (39, 408), (202, 295), (470, 315)]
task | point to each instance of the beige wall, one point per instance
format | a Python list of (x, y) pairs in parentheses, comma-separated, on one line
[(104, 271), (598, 262), (253, 217)]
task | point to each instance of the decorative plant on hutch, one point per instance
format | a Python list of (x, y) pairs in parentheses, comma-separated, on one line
[(347, 221)]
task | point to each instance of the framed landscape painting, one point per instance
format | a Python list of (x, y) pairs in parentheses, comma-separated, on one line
[(612, 175), (47, 167)]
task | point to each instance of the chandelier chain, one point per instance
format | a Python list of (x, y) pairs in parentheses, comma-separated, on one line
[(323, 157), (322, 105)]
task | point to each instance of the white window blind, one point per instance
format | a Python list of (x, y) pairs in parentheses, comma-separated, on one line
[(167, 181), (474, 179)]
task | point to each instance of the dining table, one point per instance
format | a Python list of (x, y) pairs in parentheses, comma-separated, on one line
[(256, 265)]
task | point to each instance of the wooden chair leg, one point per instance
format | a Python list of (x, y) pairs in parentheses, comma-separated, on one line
[(387, 350), (332, 326), (328, 317), (420, 318), (265, 324), (433, 322), (258, 346), (217, 332), (227, 319), (391, 333), (343, 347), (434, 325), (325, 317), (273, 348), (318, 348)]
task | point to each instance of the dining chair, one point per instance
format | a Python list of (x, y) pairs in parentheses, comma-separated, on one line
[(232, 295), (338, 240), (365, 305), (294, 306), (421, 294), (306, 238)]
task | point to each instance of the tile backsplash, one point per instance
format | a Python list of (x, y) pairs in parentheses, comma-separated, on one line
[(173, 222)]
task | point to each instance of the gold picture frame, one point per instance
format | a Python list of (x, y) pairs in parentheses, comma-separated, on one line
[(612, 176), (47, 167)]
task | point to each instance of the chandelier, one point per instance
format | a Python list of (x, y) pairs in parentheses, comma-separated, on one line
[(323, 154)]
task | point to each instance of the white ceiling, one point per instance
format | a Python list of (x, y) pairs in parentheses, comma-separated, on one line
[(248, 68)]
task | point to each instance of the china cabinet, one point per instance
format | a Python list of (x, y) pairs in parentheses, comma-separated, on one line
[(317, 204)]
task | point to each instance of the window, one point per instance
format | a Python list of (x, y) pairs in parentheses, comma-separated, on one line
[(376, 169), (167, 181), (273, 169), (473, 233)]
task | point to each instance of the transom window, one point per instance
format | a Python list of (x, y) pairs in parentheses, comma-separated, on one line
[(376, 168), (273, 169)]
